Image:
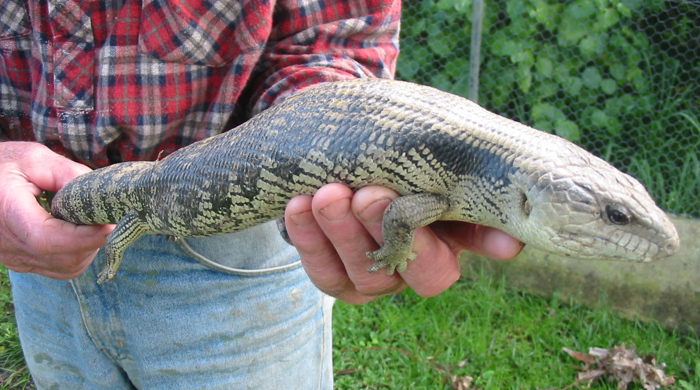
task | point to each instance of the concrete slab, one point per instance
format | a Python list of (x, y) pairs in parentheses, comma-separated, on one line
[(667, 291)]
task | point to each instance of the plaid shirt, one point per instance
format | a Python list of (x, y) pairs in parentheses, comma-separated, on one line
[(103, 81)]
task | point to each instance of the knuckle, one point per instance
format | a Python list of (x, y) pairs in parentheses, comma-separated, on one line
[(34, 150)]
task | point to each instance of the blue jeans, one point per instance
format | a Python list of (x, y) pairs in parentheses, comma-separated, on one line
[(179, 316)]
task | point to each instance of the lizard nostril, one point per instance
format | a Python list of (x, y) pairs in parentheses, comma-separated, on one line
[(671, 247)]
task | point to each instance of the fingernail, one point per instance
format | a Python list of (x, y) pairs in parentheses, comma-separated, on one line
[(336, 210), (302, 219), (374, 212)]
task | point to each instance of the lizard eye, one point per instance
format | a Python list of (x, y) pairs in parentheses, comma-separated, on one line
[(618, 214)]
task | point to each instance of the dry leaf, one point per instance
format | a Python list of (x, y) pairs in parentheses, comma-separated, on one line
[(457, 382), (580, 356), (620, 364), (462, 383)]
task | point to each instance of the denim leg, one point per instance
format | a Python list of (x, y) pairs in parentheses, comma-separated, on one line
[(59, 352), (168, 322)]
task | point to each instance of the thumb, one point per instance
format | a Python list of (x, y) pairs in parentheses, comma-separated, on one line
[(486, 241), (44, 168)]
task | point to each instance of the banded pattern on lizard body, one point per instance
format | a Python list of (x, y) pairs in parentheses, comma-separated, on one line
[(449, 159)]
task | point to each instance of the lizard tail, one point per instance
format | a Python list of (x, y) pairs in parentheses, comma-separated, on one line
[(102, 196)]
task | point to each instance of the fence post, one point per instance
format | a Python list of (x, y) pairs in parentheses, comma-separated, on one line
[(475, 51)]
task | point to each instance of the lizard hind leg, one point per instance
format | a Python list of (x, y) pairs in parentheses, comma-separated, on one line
[(401, 219), (128, 230)]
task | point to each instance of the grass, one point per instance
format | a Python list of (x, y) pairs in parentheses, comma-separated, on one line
[(481, 329), (13, 372), (501, 338)]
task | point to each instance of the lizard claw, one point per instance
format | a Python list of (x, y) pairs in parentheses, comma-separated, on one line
[(393, 261), (106, 275)]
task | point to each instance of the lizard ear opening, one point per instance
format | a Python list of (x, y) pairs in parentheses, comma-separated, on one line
[(525, 204)]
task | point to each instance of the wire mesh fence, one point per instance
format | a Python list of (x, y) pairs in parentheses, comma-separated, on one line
[(618, 77)]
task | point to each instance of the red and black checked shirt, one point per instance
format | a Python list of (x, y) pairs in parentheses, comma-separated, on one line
[(110, 80)]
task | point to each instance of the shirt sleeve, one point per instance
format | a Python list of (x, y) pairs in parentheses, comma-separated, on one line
[(316, 41)]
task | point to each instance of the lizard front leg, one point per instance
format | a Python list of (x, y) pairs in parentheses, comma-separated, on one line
[(401, 219)]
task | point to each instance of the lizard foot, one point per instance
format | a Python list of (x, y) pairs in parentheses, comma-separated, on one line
[(108, 273), (393, 261)]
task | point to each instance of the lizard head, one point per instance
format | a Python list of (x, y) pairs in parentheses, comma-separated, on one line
[(584, 207)]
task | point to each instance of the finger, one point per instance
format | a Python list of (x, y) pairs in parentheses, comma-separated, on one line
[(47, 170), (369, 204), (486, 241), (56, 267), (435, 268), (332, 209), (31, 224), (319, 258)]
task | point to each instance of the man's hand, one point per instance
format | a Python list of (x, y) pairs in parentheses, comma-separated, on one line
[(30, 239), (335, 228)]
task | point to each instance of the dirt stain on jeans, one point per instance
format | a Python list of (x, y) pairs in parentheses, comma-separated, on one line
[(41, 358)]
